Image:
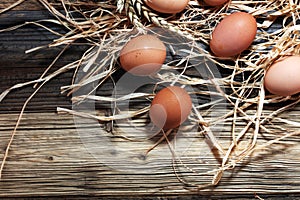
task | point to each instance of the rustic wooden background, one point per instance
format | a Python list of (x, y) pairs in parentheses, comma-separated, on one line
[(48, 159)]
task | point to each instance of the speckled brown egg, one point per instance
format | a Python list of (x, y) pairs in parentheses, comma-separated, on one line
[(167, 6), (143, 55), (233, 34), (170, 107), (283, 77), (215, 2)]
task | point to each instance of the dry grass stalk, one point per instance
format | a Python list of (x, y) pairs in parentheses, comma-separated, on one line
[(12, 6)]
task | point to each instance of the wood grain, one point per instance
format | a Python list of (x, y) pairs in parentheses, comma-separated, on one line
[(26, 5), (18, 67), (49, 156)]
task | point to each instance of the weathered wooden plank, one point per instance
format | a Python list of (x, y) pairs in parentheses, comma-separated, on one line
[(26, 5), (17, 67), (48, 158)]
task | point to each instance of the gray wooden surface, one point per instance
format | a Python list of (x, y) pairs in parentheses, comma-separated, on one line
[(49, 158)]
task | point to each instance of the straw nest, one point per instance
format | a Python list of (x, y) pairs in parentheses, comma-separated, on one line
[(107, 25)]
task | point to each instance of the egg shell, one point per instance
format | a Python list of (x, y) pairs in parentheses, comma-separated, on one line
[(170, 107), (283, 77), (215, 2), (167, 6), (233, 34), (143, 55)]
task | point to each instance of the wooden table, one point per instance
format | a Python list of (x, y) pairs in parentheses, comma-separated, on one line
[(47, 157)]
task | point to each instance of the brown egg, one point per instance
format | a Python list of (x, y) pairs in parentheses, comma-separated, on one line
[(167, 6), (233, 34), (283, 77), (143, 55), (215, 2), (170, 107)]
